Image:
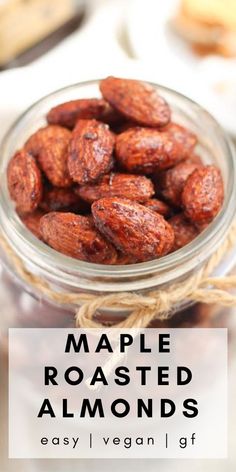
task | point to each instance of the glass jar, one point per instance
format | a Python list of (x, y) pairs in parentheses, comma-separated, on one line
[(25, 306)]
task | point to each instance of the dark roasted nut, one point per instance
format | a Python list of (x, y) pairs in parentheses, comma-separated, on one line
[(67, 114), (76, 236), (50, 147), (147, 150), (136, 100), (203, 194), (173, 180), (24, 182), (134, 187), (132, 228), (32, 222), (90, 151), (61, 199), (158, 206), (184, 231), (183, 136)]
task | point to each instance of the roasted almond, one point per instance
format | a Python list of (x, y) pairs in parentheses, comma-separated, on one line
[(137, 101), (49, 145), (134, 187), (67, 114), (24, 182), (132, 228), (146, 150), (76, 236), (203, 194), (90, 151)]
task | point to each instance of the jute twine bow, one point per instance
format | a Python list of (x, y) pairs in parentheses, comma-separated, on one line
[(143, 309)]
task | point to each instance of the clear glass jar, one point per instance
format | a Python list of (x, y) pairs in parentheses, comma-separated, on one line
[(26, 307)]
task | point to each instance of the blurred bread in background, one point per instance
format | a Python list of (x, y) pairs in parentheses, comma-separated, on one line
[(209, 25)]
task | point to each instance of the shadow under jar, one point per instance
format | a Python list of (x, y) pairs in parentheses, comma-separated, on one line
[(25, 306)]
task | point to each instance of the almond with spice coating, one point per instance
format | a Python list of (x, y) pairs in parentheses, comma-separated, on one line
[(49, 145), (203, 195), (67, 114), (76, 236), (137, 101), (146, 150), (90, 151), (132, 228), (24, 182), (134, 187)]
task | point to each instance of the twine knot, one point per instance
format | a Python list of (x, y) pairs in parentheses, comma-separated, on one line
[(140, 310)]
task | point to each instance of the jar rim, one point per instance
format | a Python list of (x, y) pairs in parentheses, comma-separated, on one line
[(132, 276)]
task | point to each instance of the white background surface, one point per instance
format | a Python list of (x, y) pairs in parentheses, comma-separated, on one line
[(93, 52)]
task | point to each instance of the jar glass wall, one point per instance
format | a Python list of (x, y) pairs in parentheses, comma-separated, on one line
[(69, 275)]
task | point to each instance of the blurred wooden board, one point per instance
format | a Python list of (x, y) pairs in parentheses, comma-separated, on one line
[(25, 23)]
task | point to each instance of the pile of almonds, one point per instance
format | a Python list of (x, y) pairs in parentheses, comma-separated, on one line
[(113, 180)]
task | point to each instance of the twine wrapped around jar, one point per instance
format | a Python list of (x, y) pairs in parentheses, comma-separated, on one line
[(155, 304)]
